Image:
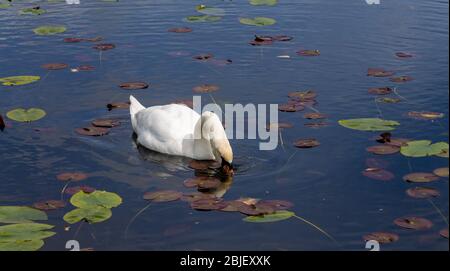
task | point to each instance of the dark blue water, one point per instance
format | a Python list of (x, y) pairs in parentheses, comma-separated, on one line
[(324, 183)]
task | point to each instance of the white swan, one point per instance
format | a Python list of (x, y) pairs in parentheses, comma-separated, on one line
[(178, 130)]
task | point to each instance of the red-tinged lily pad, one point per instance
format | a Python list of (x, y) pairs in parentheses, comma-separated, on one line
[(163, 196), (316, 125), (403, 55), (208, 204), (444, 233), (420, 177), (380, 91), (422, 192), (92, 131), (190, 197), (378, 174), (377, 72), (233, 206), (401, 79), (85, 68), (425, 115), (118, 105), (205, 88), (73, 40), (104, 46), (290, 107), (303, 95), (314, 116), (414, 223), (201, 164), (383, 149), (441, 172), (203, 57), (54, 66), (257, 209), (71, 176), (49, 205), (108, 123), (75, 189), (279, 125), (95, 39), (306, 143), (298, 102), (277, 204), (381, 237), (133, 85), (308, 53), (261, 42), (180, 30), (203, 182)]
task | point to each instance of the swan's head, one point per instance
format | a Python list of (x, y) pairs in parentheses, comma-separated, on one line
[(212, 130)]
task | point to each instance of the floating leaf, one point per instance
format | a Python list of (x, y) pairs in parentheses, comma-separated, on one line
[(92, 131), (25, 231), (378, 174), (422, 148), (401, 79), (308, 53), (96, 198), (380, 90), (303, 95), (210, 10), (383, 149), (441, 172), (49, 30), (92, 214), (202, 18), (262, 40), (20, 214), (163, 196), (369, 124), (55, 66), (133, 85), (258, 208), (306, 143), (19, 80), (21, 245), (5, 5), (314, 116), (424, 115), (257, 21), (108, 123), (208, 204), (290, 107), (49, 205), (206, 88), (420, 177), (190, 197), (75, 189), (233, 206), (277, 216), (403, 55), (422, 192), (415, 223), (382, 237), (32, 11), (388, 100), (71, 176), (180, 30), (263, 2), (316, 125), (377, 72), (26, 115), (277, 204), (104, 46), (85, 68)]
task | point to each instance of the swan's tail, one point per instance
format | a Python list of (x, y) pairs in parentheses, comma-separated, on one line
[(135, 106)]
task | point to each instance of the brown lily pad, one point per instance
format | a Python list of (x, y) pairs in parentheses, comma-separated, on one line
[(71, 176), (190, 197), (92, 131), (54, 66), (414, 223), (203, 182), (420, 177), (425, 115), (277, 204), (290, 107), (75, 189), (306, 143), (205, 88), (377, 72), (233, 206), (378, 174), (383, 149), (422, 192), (180, 30), (382, 237), (134, 85), (104, 46), (73, 40), (95, 39), (203, 57), (117, 105), (303, 95), (444, 233), (208, 204), (262, 40), (441, 172), (314, 116), (108, 123), (163, 196), (316, 125), (401, 79), (380, 91), (308, 53), (259, 208), (403, 55), (85, 68), (49, 205)]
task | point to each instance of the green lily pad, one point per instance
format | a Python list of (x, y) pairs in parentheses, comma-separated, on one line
[(92, 214), (49, 30), (96, 198), (257, 21), (19, 80), (20, 214), (274, 217), (210, 10), (25, 231), (422, 148), (202, 18), (263, 2), (369, 124), (5, 5), (26, 115), (21, 245), (32, 11)]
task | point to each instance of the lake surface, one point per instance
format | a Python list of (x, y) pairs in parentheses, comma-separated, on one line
[(324, 183)]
